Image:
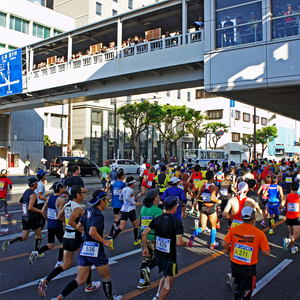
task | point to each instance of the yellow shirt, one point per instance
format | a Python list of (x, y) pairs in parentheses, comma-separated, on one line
[(200, 183)]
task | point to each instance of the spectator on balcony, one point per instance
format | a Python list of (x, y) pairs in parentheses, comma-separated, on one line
[(228, 32), (111, 47), (220, 36), (73, 56), (142, 40), (255, 29), (279, 23), (241, 31), (289, 21), (104, 49), (136, 40), (124, 44), (167, 34), (199, 24)]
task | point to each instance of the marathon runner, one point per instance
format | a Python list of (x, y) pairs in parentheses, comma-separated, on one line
[(92, 250), (72, 240), (30, 217), (40, 191), (74, 180), (243, 242), (264, 199), (53, 205), (105, 174), (168, 232), (149, 212)]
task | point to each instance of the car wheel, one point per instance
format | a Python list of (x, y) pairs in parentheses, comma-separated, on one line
[(69, 173), (94, 173)]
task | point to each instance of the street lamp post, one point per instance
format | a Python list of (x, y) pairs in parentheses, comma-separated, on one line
[(115, 128), (254, 135)]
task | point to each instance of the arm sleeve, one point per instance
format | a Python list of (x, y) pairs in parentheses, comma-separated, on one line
[(182, 195), (81, 183), (228, 237)]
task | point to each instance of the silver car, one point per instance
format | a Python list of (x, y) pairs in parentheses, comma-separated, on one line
[(127, 165)]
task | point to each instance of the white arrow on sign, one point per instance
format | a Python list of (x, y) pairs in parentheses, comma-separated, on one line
[(73, 271)]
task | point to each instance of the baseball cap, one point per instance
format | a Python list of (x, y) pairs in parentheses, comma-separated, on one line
[(43, 159), (265, 168), (148, 166), (248, 213), (31, 181), (65, 162), (174, 180), (114, 166), (157, 161), (150, 196), (170, 202), (97, 196), (242, 187), (41, 173)]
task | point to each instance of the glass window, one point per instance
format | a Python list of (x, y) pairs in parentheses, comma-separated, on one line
[(46, 120), (189, 96), (237, 115), (130, 4), (114, 12), (40, 31), (98, 8), (199, 94), (2, 19), (257, 119), (111, 118), (18, 24), (96, 116), (142, 100), (56, 32), (228, 3), (235, 136), (215, 114), (128, 99), (10, 48), (239, 24), (112, 101), (264, 121), (115, 1), (178, 94), (246, 117), (46, 32), (2, 48), (86, 161), (286, 18), (168, 93)]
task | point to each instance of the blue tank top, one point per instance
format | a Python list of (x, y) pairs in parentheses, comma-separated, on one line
[(273, 193), (206, 193), (52, 212)]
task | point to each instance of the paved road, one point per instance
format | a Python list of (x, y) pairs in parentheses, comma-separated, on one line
[(201, 273)]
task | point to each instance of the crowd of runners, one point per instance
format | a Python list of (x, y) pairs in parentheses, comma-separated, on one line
[(167, 194)]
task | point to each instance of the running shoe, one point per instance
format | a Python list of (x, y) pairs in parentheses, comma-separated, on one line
[(42, 236), (119, 297), (263, 224), (58, 264), (218, 226), (115, 225), (228, 278), (42, 288), (111, 247), (57, 298), (8, 216), (191, 214), (5, 246), (137, 242), (214, 245), (110, 235), (285, 244), (3, 231), (294, 250), (271, 231), (191, 241), (143, 285), (196, 224), (40, 255), (155, 298), (272, 223), (146, 275), (95, 286), (206, 230), (64, 195), (32, 257), (198, 214)]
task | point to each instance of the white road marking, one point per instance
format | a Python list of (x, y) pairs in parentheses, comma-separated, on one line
[(73, 271), (266, 279), (12, 236)]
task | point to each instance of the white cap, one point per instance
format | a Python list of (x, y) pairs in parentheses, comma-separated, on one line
[(283, 168), (43, 159), (114, 166), (174, 180), (65, 162), (242, 187), (247, 213), (158, 161)]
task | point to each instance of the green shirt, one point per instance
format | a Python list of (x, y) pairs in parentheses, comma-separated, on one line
[(146, 216), (105, 171)]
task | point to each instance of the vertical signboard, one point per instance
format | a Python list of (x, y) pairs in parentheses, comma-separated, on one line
[(11, 73)]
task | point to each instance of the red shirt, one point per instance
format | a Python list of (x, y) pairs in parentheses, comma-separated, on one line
[(292, 206), (4, 183)]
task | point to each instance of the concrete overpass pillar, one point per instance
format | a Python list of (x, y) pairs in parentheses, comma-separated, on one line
[(69, 48), (119, 35), (184, 21), (31, 59)]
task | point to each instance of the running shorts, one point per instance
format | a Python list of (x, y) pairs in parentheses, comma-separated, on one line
[(169, 268), (292, 222), (32, 224), (208, 210), (244, 276), (57, 232), (131, 215), (99, 261), (273, 209)]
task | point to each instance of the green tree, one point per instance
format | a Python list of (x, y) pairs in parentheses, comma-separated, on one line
[(174, 119), (214, 128), (264, 136), (135, 117), (47, 141), (248, 141), (195, 127)]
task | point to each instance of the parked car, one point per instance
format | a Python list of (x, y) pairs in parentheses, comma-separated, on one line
[(127, 165), (87, 167)]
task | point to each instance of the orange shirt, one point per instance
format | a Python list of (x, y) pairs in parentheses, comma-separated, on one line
[(245, 241)]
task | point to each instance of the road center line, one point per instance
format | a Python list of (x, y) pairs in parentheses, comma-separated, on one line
[(267, 278)]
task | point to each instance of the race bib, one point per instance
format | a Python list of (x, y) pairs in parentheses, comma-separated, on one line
[(206, 197), (1, 185), (149, 183), (90, 249), (236, 223), (145, 222), (293, 207), (125, 208), (181, 187), (243, 253), (69, 235), (262, 182), (24, 209), (162, 244), (104, 175), (62, 175), (196, 180), (117, 192), (224, 192), (288, 179), (219, 177), (51, 214)]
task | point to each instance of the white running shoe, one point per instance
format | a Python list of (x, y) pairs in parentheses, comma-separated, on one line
[(228, 278), (95, 286), (3, 231), (59, 263)]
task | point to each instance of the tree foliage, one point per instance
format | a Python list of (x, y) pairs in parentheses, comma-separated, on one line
[(264, 136), (213, 128), (195, 127)]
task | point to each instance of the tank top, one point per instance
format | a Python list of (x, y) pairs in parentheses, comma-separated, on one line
[(52, 212), (196, 177), (26, 213), (206, 194), (212, 167), (69, 207), (220, 176), (292, 206), (273, 194), (238, 215)]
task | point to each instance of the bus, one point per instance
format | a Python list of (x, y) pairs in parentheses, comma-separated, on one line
[(205, 156)]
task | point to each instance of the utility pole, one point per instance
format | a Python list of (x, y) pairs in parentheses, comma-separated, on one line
[(254, 135), (115, 128), (69, 149)]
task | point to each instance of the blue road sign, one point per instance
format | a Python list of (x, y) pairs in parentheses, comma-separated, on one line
[(232, 103), (11, 73)]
